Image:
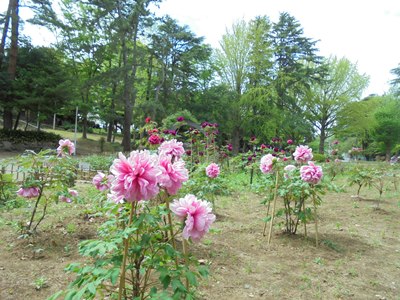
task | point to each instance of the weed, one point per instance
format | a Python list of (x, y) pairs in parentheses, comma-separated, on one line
[(40, 283), (318, 261), (332, 245), (71, 228), (353, 272)]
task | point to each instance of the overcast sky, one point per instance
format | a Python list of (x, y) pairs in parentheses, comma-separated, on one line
[(364, 31)]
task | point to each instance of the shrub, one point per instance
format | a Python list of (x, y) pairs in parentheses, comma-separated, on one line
[(319, 157), (99, 162), (19, 136)]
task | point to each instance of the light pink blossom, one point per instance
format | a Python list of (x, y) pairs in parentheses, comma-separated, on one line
[(267, 163), (197, 215), (311, 173), (171, 147), (116, 198), (303, 153), (136, 177), (28, 192), (172, 174), (102, 182), (288, 170), (66, 147), (212, 170)]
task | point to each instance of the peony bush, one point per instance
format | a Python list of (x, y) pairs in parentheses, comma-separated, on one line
[(143, 250), (298, 184)]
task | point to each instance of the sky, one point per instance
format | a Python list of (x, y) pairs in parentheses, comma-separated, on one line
[(364, 31)]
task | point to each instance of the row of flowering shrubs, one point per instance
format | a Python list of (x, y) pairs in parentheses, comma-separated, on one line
[(143, 246)]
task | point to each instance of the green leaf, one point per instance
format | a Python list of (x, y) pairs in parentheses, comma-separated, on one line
[(267, 219), (191, 277), (56, 295), (91, 288), (114, 275), (165, 279), (70, 295), (177, 285)]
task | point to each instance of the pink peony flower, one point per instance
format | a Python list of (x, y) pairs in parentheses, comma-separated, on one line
[(288, 170), (148, 120), (289, 142), (180, 119), (173, 174), (172, 147), (102, 182), (154, 139), (116, 198), (266, 163), (67, 197), (136, 177), (303, 153), (65, 147), (196, 214), (29, 192), (311, 173), (212, 170), (229, 147)]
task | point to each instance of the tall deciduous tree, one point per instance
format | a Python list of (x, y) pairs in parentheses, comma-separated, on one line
[(387, 130), (8, 101), (357, 120), (232, 60), (325, 99)]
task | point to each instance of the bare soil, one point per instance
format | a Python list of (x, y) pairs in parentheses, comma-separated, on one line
[(358, 256)]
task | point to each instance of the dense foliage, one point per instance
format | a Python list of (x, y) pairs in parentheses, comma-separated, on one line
[(119, 64)]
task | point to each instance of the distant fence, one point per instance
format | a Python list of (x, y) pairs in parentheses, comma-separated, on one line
[(84, 172)]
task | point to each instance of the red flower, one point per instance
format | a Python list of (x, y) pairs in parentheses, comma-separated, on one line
[(148, 120)]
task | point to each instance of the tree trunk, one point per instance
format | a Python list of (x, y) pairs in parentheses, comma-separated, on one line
[(322, 139), (388, 147), (17, 120), (84, 125), (109, 131), (110, 128), (12, 64), (126, 134), (236, 140), (5, 30)]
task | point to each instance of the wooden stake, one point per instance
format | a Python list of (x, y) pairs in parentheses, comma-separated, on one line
[(273, 207)]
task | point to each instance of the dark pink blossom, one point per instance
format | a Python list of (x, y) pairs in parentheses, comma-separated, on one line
[(197, 215), (154, 139)]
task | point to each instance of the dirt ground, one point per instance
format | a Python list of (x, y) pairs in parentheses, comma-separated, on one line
[(358, 257)]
